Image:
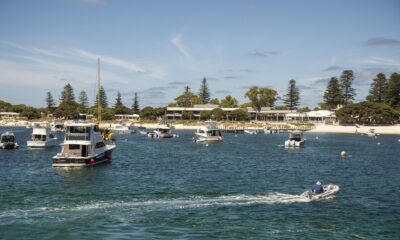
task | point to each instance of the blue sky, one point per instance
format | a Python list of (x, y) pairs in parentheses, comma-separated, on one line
[(155, 48)]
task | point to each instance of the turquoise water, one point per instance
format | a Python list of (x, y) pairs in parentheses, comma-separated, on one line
[(247, 187)]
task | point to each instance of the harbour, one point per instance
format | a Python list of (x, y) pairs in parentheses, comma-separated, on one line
[(245, 187)]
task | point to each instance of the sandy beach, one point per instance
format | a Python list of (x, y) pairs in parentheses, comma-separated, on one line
[(394, 129)]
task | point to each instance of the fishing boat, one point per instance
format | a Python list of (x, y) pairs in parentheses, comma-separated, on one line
[(41, 138), (57, 125), (295, 139), (162, 130), (84, 144), (119, 128), (8, 141), (208, 133), (329, 190)]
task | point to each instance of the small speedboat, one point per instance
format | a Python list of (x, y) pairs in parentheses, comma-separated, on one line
[(295, 139), (162, 130), (251, 132), (7, 141), (329, 190), (41, 138), (208, 133)]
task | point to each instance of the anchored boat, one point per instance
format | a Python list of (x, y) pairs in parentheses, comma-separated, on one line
[(8, 141), (41, 138), (83, 146), (208, 133), (295, 139), (162, 130)]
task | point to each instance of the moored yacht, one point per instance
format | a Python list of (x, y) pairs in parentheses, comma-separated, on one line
[(208, 133), (295, 139), (120, 129), (7, 141), (83, 146), (162, 130), (57, 125), (41, 138)]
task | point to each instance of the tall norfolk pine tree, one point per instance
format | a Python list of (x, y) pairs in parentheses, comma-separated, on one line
[(378, 89), (293, 96), (204, 93), (103, 98), (83, 99), (346, 81), (50, 102), (333, 95), (135, 105), (67, 95), (393, 91)]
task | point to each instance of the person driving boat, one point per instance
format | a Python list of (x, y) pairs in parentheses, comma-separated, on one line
[(317, 188)]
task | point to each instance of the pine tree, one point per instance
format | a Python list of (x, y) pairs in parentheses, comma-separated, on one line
[(333, 96), (187, 89), (50, 102), (378, 89), (135, 105), (293, 96), (101, 95), (348, 92), (67, 95), (204, 93), (393, 91), (83, 99), (118, 100)]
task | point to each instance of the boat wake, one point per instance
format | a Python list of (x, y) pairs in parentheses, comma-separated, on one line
[(163, 204)]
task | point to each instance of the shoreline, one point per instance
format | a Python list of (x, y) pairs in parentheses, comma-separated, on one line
[(319, 128)]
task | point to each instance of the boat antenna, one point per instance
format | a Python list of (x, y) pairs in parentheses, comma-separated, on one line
[(99, 92)]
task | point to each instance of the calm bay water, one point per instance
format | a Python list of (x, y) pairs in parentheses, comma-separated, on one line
[(246, 187)]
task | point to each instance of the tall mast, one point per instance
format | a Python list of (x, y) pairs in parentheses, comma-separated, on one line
[(98, 95)]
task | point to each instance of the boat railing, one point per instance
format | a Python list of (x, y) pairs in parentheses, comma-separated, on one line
[(77, 136)]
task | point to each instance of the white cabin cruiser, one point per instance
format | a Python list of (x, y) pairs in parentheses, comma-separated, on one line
[(295, 139), (120, 129), (41, 138), (329, 190), (7, 141), (372, 133), (162, 130), (208, 133), (57, 125), (83, 146)]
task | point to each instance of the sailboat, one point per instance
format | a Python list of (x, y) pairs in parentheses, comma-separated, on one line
[(84, 144)]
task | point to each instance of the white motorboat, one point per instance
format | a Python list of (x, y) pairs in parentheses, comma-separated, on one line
[(120, 129), (372, 133), (8, 141), (329, 190), (295, 139), (251, 132), (162, 130), (57, 125), (83, 146), (41, 138), (208, 133)]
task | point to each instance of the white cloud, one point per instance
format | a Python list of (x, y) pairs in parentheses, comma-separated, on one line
[(177, 42), (112, 61), (382, 61), (47, 52)]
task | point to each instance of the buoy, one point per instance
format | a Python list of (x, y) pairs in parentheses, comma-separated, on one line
[(398, 140), (316, 137), (91, 161), (379, 143), (343, 154), (206, 144)]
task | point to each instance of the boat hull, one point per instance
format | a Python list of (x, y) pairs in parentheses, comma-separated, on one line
[(41, 144), (60, 161), (9, 146), (329, 190)]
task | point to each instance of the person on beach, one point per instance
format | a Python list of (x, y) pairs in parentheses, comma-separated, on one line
[(317, 188)]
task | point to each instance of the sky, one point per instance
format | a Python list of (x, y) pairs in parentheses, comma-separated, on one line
[(156, 48)]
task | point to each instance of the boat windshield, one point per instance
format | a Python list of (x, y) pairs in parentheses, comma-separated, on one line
[(38, 137), (295, 136), (214, 133), (7, 138)]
